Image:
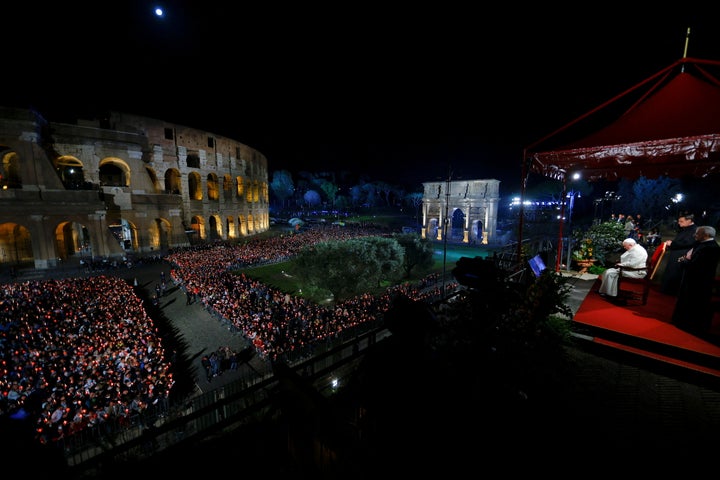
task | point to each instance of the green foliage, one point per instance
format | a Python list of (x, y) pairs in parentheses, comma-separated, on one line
[(351, 267), (606, 238), (544, 297), (418, 252), (651, 196), (585, 249), (534, 331), (282, 186)]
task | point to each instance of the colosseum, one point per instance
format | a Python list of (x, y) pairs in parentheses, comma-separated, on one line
[(121, 187)]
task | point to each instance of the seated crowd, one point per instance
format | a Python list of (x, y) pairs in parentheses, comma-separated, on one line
[(78, 352), (277, 323)]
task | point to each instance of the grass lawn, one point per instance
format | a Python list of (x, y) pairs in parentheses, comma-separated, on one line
[(280, 276)]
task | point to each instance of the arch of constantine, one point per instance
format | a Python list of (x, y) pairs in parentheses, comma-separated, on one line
[(469, 207)]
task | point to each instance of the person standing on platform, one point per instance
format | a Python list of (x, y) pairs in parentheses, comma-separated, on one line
[(676, 248), (635, 256), (694, 310)]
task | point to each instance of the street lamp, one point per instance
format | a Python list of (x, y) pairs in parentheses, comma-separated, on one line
[(676, 200), (565, 195), (571, 204)]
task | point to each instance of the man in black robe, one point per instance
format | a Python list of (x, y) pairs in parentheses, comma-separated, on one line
[(694, 308), (676, 248)]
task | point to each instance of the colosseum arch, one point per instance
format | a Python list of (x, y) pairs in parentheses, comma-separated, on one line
[(242, 225), (227, 187), (230, 227), (159, 234), (215, 228), (254, 193), (240, 187), (197, 224), (72, 238), (213, 186), (114, 172), (70, 171), (126, 234), (195, 186), (172, 181), (10, 170), (15, 244), (471, 208)]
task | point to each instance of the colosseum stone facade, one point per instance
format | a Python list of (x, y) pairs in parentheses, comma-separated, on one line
[(123, 186)]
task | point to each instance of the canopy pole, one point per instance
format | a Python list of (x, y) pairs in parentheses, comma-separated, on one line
[(523, 183)]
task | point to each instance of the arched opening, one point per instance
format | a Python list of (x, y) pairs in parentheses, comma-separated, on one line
[(194, 186), (72, 238), (172, 182), (15, 244), (10, 172)]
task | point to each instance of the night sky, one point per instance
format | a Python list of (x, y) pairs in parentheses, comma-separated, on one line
[(415, 93)]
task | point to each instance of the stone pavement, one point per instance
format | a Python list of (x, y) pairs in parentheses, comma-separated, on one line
[(640, 406), (202, 332)]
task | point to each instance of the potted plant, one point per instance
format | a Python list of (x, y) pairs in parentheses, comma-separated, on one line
[(598, 242), (583, 255)]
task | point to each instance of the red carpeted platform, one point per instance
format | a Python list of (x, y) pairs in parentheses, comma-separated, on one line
[(646, 330)]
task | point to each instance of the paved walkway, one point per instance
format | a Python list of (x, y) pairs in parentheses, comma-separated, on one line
[(202, 332)]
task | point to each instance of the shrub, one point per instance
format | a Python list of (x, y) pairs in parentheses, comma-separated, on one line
[(606, 238)]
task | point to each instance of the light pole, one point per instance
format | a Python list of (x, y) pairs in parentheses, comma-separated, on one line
[(563, 201), (571, 204), (445, 229)]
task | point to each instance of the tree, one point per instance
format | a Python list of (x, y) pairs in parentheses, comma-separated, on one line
[(384, 189), (415, 200), (349, 268), (356, 194), (282, 186), (330, 190), (651, 196), (312, 198), (389, 257), (371, 194), (418, 252)]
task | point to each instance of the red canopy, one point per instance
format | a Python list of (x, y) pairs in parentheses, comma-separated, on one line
[(669, 125), (672, 128)]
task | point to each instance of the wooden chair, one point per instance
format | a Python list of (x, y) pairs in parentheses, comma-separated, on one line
[(639, 293)]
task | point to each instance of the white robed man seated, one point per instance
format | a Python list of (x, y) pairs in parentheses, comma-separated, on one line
[(635, 256)]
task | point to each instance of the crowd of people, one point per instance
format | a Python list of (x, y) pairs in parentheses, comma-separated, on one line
[(634, 227), (77, 352), (277, 323)]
